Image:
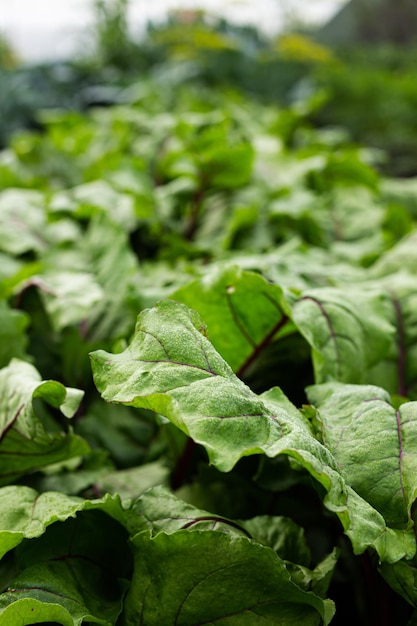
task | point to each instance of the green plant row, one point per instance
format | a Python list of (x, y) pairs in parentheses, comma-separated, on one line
[(208, 352)]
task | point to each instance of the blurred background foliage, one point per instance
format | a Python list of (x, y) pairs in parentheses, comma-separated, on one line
[(364, 82)]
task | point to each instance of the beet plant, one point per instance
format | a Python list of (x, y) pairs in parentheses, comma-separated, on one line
[(208, 377)]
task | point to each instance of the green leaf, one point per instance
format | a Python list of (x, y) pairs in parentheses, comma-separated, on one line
[(160, 510), (204, 577), (13, 338), (363, 524), (227, 166), (397, 371), (402, 257), (98, 196), (242, 310), (344, 327), (132, 482), (402, 578), (114, 266), (30, 611), (26, 514), (97, 290), (126, 435), (69, 296), (282, 535), (348, 211), (171, 368), (22, 221), (26, 443), (318, 579), (76, 564), (375, 445)]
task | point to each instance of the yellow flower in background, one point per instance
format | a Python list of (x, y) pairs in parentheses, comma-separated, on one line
[(8, 58), (296, 47)]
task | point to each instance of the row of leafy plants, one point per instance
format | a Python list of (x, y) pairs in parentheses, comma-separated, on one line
[(368, 90), (189, 45), (208, 349)]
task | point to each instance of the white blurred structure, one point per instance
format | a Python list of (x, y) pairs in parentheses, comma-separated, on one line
[(50, 29)]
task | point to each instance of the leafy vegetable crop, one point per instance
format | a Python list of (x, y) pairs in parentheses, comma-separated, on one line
[(208, 407)]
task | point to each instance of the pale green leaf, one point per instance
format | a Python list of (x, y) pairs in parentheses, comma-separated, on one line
[(98, 196), (344, 326), (403, 256), (25, 442), (69, 296), (22, 221), (375, 445)]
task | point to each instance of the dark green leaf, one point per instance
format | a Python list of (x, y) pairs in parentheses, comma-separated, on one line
[(243, 312), (209, 577), (77, 565), (13, 339)]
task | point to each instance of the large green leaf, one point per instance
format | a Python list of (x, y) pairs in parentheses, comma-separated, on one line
[(171, 368), (160, 510), (27, 610), (374, 444), (212, 577), (28, 438), (26, 514)]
